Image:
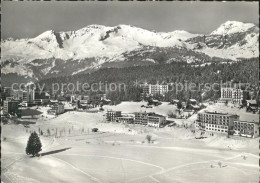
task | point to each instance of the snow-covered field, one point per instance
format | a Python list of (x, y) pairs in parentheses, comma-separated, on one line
[(131, 107), (120, 153)]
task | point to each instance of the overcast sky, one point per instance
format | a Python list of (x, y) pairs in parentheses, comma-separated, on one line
[(29, 19)]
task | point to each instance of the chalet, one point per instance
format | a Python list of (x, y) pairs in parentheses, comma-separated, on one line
[(154, 102), (192, 101), (61, 99), (54, 101), (175, 101), (105, 102), (251, 105), (195, 107)]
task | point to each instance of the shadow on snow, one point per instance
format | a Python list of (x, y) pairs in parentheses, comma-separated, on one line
[(54, 152)]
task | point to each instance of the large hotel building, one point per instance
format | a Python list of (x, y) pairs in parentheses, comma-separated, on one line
[(232, 94), (156, 120), (155, 89), (246, 128), (150, 119), (113, 115), (216, 122), (141, 118)]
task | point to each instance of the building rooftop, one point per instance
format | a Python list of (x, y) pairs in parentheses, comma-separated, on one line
[(56, 104), (142, 112), (228, 87), (54, 101), (196, 106), (112, 111), (255, 122), (156, 115), (232, 85), (11, 100), (219, 113), (126, 117), (251, 101), (30, 112)]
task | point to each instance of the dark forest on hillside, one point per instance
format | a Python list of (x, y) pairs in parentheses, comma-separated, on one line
[(245, 71)]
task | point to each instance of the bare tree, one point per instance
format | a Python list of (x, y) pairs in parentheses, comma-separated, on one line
[(148, 138), (48, 132)]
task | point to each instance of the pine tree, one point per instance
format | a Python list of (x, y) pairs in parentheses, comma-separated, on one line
[(33, 145), (179, 105)]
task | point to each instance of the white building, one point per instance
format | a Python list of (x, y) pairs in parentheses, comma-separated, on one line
[(141, 118), (232, 94), (156, 120), (246, 128), (155, 89), (125, 119), (57, 108), (113, 115), (145, 88), (27, 95), (215, 121)]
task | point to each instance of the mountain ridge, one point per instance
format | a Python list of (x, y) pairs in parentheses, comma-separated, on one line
[(95, 46)]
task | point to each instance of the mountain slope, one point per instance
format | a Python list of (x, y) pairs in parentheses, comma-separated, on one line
[(53, 54), (233, 40)]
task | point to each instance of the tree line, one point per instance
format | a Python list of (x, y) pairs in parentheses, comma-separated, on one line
[(243, 71)]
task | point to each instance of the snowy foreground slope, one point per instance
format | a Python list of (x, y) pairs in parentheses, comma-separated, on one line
[(120, 153), (57, 53)]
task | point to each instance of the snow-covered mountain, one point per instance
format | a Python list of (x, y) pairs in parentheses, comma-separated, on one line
[(231, 27), (232, 40), (67, 53), (92, 41)]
